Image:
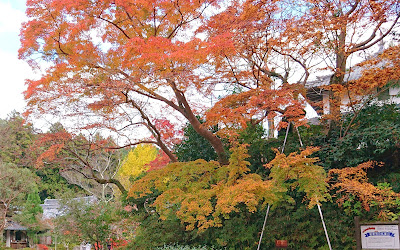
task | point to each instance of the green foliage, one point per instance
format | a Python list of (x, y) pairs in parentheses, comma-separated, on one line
[(389, 208), (30, 213), (240, 231), (294, 222), (194, 146), (31, 210), (260, 149), (352, 206), (374, 134), (15, 184), (15, 141), (154, 232), (53, 185), (87, 221), (16, 147), (302, 227)]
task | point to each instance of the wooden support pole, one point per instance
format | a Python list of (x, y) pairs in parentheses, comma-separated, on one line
[(357, 231)]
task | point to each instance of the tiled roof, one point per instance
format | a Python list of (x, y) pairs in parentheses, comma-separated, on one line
[(353, 74), (52, 207), (12, 225)]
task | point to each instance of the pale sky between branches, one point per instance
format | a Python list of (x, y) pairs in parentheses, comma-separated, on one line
[(13, 72)]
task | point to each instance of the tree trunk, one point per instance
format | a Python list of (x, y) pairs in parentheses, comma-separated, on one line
[(215, 142), (185, 109), (3, 214), (338, 78)]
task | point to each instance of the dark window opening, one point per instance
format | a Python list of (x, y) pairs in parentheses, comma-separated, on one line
[(18, 235)]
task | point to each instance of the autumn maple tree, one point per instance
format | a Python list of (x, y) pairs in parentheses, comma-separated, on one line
[(295, 43), (142, 69), (123, 61), (202, 194), (127, 61)]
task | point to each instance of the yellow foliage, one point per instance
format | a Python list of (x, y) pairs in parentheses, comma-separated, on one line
[(298, 171), (136, 163), (202, 194)]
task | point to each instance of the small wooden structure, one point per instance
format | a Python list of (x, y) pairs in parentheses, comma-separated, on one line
[(15, 235)]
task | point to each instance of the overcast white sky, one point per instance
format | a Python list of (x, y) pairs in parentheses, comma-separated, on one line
[(13, 72)]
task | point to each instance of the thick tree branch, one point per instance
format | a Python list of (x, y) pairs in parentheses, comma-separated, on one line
[(366, 44), (215, 142), (100, 180), (153, 129)]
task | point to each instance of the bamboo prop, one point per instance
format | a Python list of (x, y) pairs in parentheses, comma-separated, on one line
[(323, 224), (298, 134), (286, 135), (266, 214), (263, 228)]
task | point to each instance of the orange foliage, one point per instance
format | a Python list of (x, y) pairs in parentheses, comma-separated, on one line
[(53, 143), (203, 194), (190, 189), (117, 61), (354, 181), (236, 110)]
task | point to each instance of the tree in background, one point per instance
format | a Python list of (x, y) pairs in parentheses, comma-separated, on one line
[(30, 214), (16, 140), (373, 134), (92, 222), (17, 147), (53, 185), (194, 146), (89, 162), (31, 210), (136, 163), (15, 184)]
